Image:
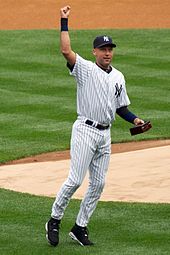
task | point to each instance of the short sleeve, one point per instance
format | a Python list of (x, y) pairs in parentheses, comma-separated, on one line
[(81, 70), (122, 98)]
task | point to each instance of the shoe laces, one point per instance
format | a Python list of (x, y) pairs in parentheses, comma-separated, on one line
[(85, 230), (55, 225)]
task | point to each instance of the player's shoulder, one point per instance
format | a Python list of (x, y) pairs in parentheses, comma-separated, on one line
[(80, 59), (117, 72)]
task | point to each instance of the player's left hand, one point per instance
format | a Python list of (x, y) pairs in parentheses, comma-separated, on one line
[(138, 121)]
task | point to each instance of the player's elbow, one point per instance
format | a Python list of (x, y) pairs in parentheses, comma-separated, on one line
[(65, 51), (69, 55), (66, 54)]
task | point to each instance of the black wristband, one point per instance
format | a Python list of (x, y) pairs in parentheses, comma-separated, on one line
[(64, 24)]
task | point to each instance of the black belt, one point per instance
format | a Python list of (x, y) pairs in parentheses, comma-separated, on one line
[(98, 126)]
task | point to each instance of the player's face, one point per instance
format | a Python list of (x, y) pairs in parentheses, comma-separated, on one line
[(103, 56)]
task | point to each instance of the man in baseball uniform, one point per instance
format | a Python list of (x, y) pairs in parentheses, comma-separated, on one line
[(101, 93)]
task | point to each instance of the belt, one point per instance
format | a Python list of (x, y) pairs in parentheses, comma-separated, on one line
[(98, 126)]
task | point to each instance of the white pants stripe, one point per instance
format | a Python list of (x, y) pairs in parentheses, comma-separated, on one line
[(90, 149)]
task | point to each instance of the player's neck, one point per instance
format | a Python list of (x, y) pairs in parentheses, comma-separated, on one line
[(106, 69)]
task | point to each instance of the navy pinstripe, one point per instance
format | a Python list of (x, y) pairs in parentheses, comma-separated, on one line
[(99, 94)]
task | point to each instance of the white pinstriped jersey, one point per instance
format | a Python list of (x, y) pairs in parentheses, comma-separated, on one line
[(99, 94)]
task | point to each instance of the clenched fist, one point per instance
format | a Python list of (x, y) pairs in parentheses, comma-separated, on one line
[(65, 11)]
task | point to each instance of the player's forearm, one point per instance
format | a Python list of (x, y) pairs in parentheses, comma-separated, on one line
[(65, 44), (125, 114)]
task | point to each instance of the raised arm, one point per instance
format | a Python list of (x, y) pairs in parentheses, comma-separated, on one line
[(65, 38)]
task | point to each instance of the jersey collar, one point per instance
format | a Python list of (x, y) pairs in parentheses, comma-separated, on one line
[(108, 70)]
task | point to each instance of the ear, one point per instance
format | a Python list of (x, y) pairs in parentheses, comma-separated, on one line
[(94, 52)]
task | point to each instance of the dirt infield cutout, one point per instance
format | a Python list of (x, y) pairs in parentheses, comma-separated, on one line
[(141, 176)]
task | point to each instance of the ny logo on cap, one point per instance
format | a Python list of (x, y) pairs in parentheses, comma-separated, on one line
[(105, 38)]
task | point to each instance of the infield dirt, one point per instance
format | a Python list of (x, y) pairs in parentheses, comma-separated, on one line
[(88, 14)]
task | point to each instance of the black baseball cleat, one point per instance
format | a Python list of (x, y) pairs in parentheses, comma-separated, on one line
[(52, 231), (80, 234)]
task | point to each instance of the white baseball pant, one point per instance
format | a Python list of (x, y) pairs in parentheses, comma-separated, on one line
[(90, 149)]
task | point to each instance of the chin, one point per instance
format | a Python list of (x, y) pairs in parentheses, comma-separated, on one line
[(107, 63)]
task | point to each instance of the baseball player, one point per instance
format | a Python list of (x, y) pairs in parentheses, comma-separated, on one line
[(101, 93)]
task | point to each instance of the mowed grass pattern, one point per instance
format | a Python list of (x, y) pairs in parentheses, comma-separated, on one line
[(116, 228), (38, 96)]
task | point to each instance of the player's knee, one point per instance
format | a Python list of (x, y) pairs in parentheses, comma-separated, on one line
[(75, 183), (99, 185)]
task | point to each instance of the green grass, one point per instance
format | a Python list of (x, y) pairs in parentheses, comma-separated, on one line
[(38, 96), (116, 228)]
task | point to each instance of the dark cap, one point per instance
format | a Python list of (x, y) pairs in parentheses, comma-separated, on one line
[(103, 40)]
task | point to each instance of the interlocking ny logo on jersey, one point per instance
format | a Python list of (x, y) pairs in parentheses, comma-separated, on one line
[(118, 90), (105, 38)]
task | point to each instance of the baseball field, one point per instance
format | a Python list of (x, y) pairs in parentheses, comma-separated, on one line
[(38, 108)]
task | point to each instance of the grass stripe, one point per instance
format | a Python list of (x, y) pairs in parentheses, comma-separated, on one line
[(116, 228), (38, 96)]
